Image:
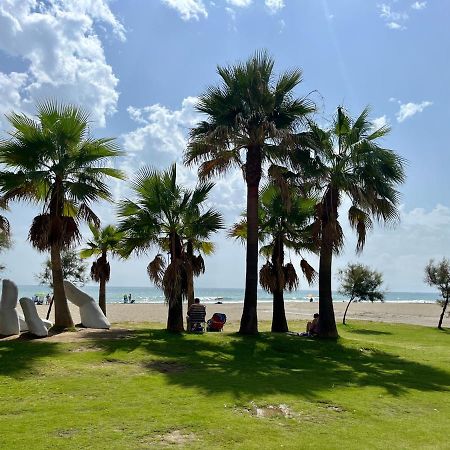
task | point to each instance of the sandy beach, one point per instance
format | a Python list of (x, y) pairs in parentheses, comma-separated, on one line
[(411, 313)]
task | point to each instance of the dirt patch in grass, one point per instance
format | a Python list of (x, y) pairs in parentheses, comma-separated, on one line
[(176, 437), (330, 406), (269, 411), (172, 438), (86, 348), (165, 366), (66, 433)]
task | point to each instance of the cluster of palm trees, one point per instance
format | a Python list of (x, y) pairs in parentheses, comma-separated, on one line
[(253, 122)]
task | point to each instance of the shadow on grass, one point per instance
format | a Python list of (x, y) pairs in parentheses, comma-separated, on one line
[(366, 332), (271, 364), (18, 357)]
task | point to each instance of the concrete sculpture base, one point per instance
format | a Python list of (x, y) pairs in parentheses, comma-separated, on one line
[(9, 319), (35, 324), (90, 313)]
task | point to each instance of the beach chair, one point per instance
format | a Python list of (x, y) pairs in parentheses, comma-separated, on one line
[(216, 322), (196, 321)]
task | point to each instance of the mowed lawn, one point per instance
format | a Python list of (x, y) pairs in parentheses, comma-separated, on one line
[(379, 386)]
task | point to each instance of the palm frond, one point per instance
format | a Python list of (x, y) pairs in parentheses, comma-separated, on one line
[(308, 271), (47, 230), (291, 280), (267, 278), (156, 269)]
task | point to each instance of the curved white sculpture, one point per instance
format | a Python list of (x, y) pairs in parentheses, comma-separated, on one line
[(90, 313), (24, 327), (9, 319), (35, 324)]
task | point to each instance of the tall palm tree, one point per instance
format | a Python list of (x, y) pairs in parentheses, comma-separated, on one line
[(104, 240), (53, 161), (347, 161), (282, 224), (166, 216), (250, 119)]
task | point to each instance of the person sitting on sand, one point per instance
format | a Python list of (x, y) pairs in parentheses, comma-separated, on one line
[(196, 314), (312, 328)]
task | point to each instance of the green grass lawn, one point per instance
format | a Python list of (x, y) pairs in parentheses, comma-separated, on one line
[(379, 386)]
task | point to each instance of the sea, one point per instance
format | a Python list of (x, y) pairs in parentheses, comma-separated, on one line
[(116, 294)]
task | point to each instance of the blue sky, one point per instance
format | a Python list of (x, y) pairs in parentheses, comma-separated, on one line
[(138, 66)]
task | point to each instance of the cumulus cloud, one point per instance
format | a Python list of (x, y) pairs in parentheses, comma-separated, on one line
[(240, 3), (188, 9), (197, 9), (11, 87), (379, 122), (161, 130), (419, 5), (274, 5), (410, 109), (401, 253), (160, 139), (64, 55)]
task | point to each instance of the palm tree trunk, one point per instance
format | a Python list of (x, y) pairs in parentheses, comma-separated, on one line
[(279, 322), (346, 309), (190, 287), (249, 320), (190, 275), (175, 313), (102, 295), (443, 313), (175, 316), (327, 321), (63, 319)]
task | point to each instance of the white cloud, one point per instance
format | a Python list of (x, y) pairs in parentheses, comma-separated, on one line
[(401, 253), (387, 13), (65, 56), (274, 5), (162, 130), (395, 26), (11, 87), (393, 19), (188, 9), (240, 3), (380, 122), (160, 139), (419, 5), (410, 109)]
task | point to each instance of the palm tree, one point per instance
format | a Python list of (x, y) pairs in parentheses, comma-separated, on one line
[(347, 161), (283, 223), (167, 216), (52, 160), (250, 119), (104, 240)]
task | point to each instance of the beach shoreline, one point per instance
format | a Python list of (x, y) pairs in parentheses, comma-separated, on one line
[(426, 314)]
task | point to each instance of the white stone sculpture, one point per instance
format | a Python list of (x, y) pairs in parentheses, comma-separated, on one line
[(90, 313), (35, 324), (24, 327), (9, 319)]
